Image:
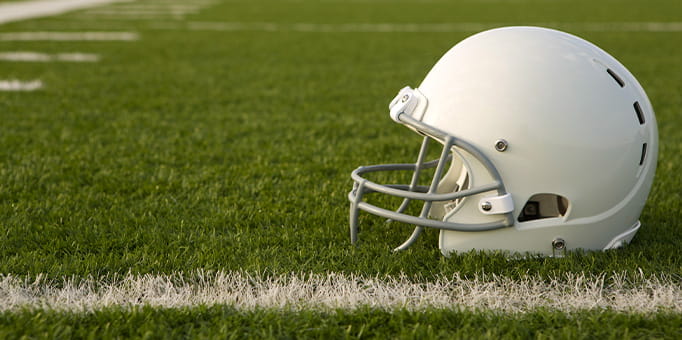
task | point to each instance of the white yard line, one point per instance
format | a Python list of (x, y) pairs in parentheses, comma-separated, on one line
[(69, 36), (139, 12), (572, 292), (14, 85), (24, 56), (420, 27), (17, 11), (145, 10)]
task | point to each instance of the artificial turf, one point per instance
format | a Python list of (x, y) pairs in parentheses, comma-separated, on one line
[(231, 150)]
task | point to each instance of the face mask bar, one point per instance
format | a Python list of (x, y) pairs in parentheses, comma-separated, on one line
[(428, 194)]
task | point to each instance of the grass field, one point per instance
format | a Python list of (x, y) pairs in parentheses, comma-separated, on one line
[(220, 139)]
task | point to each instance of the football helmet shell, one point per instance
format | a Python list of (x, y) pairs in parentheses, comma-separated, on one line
[(549, 144)]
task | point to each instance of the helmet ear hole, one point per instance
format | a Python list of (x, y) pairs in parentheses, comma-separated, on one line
[(541, 206)]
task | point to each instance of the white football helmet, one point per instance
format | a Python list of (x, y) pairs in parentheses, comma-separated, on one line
[(549, 144)]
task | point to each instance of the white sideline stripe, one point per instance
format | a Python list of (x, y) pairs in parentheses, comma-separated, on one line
[(69, 36), (17, 11), (43, 57), (14, 85), (572, 292), (414, 27)]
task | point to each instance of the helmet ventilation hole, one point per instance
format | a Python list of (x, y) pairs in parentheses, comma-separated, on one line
[(541, 206), (641, 158), (640, 114), (616, 77)]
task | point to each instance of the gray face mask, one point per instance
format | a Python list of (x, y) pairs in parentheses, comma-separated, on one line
[(407, 108)]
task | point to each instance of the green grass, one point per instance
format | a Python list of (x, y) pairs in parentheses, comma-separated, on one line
[(232, 151), (239, 161), (228, 323)]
